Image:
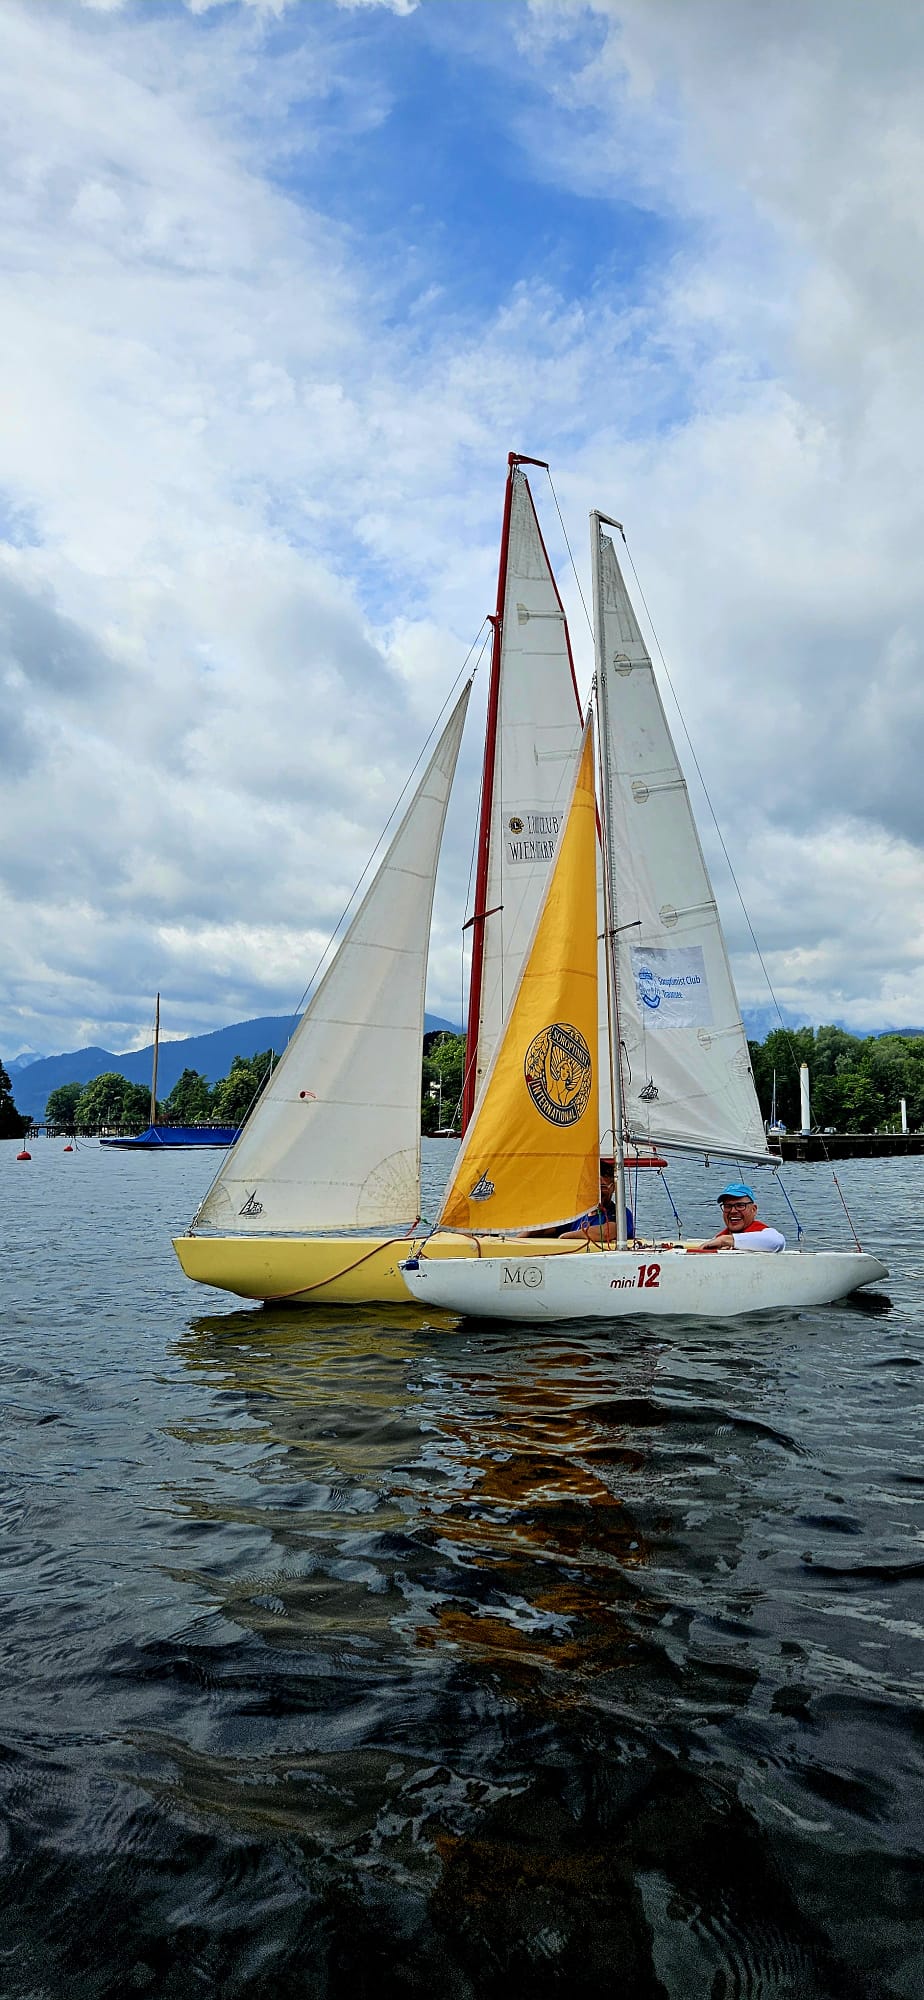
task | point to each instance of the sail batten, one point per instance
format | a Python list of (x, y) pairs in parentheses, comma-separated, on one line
[(335, 1140)]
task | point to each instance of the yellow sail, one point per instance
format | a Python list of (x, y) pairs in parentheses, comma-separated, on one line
[(531, 1154)]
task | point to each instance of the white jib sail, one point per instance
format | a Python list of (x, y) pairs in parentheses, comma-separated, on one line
[(539, 729), (334, 1142), (687, 1072)]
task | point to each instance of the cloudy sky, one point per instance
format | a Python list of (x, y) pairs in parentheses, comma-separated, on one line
[(282, 286)]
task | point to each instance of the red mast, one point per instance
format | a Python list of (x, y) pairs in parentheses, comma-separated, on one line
[(477, 922)]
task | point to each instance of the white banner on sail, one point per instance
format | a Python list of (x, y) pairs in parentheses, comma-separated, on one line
[(672, 987), (531, 834)]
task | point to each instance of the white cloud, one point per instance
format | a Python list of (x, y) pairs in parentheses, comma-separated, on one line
[(252, 509)]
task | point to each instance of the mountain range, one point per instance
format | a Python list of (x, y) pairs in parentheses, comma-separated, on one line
[(212, 1055)]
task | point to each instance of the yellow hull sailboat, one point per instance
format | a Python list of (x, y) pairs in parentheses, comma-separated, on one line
[(323, 1270), (318, 1201)]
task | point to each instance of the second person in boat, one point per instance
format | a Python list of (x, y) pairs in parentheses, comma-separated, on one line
[(599, 1224)]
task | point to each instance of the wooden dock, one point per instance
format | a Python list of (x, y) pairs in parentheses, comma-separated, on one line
[(847, 1145)]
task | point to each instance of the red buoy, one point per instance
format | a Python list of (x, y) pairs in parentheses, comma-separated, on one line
[(68, 1149), (24, 1155)]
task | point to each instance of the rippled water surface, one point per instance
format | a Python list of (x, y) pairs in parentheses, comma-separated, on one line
[(344, 1653)]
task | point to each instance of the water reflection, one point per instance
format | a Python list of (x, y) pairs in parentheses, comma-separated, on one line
[(348, 1655), (492, 1497), (516, 1645), (484, 1497)]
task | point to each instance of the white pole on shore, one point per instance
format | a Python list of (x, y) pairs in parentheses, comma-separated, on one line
[(804, 1096), (904, 1116)]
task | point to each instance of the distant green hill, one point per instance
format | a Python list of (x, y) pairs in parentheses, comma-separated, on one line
[(212, 1055)]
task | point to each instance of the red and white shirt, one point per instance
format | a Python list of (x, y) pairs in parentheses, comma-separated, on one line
[(758, 1236)]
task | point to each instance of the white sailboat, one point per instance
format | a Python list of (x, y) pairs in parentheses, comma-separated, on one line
[(317, 1200), (672, 1054)]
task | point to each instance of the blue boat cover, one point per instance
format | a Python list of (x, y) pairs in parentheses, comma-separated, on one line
[(159, 1136)]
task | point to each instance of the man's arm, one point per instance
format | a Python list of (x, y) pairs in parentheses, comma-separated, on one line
[(760, 1239)]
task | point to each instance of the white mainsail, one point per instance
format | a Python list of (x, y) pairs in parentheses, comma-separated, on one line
[(535, 736), (334, 1142), (686, 1069)]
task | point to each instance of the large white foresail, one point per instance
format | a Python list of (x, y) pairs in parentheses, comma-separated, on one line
[(534, 735), (686, 1069), (334, 1142)]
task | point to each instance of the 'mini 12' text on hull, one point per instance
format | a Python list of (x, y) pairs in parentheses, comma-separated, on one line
[(596, 1283)]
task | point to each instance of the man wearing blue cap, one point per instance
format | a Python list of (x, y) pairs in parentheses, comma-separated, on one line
[(741, 1229)]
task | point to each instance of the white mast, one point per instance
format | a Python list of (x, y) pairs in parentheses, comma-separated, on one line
[(609, 880), (153, 1118), (805, 1097)]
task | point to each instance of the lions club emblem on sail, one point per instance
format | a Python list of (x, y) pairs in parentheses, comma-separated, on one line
[(559, 1073)]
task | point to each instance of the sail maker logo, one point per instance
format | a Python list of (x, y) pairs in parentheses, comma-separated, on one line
[(482, 1190), (559, 1073)]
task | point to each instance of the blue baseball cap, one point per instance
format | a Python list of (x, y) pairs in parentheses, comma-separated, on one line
[(736, 1191)]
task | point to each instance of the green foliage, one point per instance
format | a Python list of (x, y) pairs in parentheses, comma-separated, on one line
[(12, 1123), (61, 1108), (857, 1083), (190, 1100), (111, 1100), (441, 1083), (237, 1091)]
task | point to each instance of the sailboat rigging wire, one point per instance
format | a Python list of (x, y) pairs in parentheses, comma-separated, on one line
[(395, 808), (574, 567), (800, 1232), (264, 1081), (468, 1064), (728, 860), (674, 1208), (846, 1209), (616, 1107), (706, 793)]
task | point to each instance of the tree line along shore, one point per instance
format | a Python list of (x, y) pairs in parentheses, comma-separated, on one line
[(857, 1085)]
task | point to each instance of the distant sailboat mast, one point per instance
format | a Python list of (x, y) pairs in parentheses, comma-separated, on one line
[(153, 1118)]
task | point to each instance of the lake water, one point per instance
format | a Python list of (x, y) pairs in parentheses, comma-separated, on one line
[(344, 1654)]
